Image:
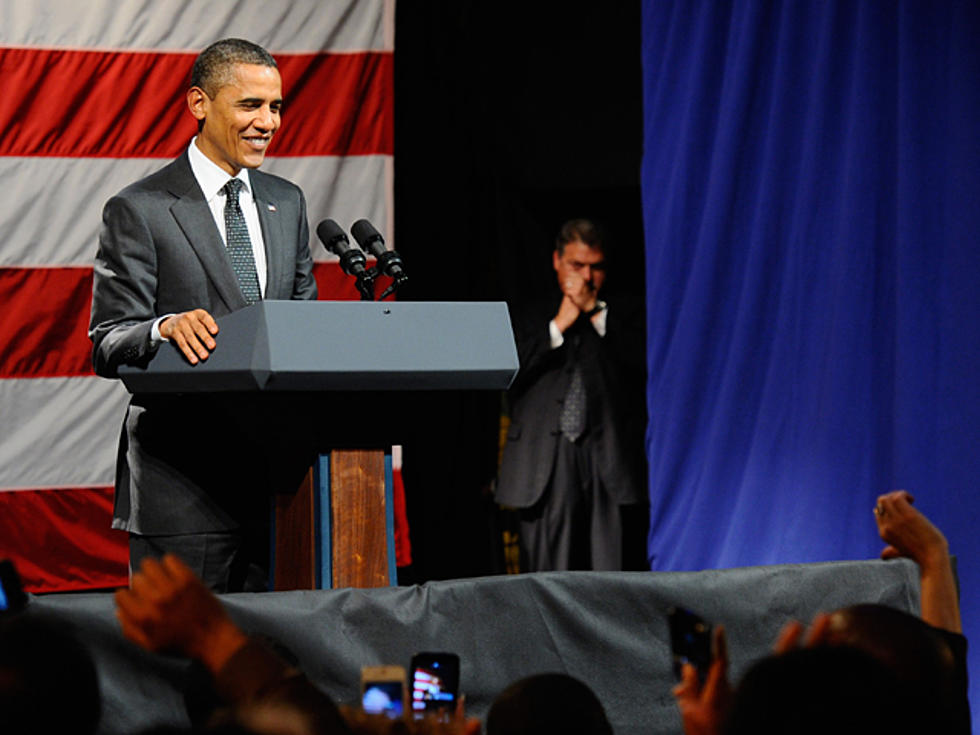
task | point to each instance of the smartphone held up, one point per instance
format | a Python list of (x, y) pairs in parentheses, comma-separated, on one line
[(383, 690), (430, 687), (690, 641), (435, 682), (12, 596)]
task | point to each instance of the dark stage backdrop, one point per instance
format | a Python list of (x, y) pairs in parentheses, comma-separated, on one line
[(810, 181), (510, 118)]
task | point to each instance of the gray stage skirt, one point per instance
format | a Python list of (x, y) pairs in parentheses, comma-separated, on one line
[(608, 629)]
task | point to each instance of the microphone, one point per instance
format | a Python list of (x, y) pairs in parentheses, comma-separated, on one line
[(352, 260), (389, 262)]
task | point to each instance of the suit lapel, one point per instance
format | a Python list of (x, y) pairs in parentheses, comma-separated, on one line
[(194, 218), (270, 219)]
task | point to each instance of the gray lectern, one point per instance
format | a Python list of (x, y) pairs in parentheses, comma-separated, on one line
[(342, 366)]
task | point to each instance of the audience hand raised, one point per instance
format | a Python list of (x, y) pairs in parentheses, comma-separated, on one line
[(703, 707), (167, 609)]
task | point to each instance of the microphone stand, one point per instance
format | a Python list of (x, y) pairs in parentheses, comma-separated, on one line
[(365, 285), (389, 261), (365, 276)]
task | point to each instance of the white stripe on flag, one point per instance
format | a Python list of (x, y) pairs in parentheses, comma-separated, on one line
[(52, 216), (297, 26), (60, 432), (345, 189)]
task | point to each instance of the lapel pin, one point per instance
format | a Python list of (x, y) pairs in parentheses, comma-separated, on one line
[(272, 207)]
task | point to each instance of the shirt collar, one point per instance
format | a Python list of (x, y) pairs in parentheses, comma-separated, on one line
[(210, 176)]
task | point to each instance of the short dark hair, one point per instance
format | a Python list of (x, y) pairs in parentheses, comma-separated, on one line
[(48, 681), (545, 703), (911, 649), (581, 230), (213, 66), (825, 689)]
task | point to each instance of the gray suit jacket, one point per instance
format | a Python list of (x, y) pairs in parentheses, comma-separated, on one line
[(186, 464)]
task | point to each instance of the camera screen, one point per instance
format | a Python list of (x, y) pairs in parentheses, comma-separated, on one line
[(382, 697), (12, 598), (429, 689), (690, 639)]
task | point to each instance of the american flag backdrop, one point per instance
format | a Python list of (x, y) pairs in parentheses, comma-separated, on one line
[(94, 100)]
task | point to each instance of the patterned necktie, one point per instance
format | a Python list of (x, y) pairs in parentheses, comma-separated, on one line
[(572, 419), (239, 245)]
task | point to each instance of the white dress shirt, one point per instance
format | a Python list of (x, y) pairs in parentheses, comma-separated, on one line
[(212, 179)]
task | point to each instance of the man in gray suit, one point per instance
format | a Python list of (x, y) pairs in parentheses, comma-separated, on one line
[(573, 461), (205, 236)]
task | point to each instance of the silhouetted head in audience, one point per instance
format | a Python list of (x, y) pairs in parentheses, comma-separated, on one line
[(547, 703), (202, 701), (273, 718), (821, 690), (48, 682), (296, 710), (910, 648), (362, 723)]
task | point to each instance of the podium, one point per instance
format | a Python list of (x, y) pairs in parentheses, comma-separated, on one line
[(349, 376)]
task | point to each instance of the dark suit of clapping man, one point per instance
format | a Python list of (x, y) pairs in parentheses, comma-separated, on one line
[(174, 253), (573, 462)]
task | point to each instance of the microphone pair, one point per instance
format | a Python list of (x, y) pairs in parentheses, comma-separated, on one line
[(353, 261)]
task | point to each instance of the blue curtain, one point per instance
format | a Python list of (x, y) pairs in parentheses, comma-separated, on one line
[(811, 192)]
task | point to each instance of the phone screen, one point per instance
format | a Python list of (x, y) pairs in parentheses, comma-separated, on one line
[(435, 681), (690, 640), (12, 597), (383, 698)]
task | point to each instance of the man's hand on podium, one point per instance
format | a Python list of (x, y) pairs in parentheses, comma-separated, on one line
[(193, 333)]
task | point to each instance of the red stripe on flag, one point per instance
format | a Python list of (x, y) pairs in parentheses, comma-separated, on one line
[(343, 106), (131, 105), (62, 540), (335, 285), (44, 330)]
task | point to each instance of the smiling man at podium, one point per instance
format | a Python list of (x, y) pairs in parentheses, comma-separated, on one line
[(204, 236)]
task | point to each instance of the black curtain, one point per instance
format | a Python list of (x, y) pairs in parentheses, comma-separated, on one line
[(509, 120)]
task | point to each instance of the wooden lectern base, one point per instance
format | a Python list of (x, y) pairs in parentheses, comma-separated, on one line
[(355, 530), (295, 563)]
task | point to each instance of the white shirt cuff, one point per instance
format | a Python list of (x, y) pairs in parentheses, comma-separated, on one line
[(557, 338), (155, 336), (599, 322)]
